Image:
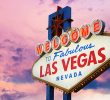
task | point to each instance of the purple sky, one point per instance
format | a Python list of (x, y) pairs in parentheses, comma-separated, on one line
[(23, 24)]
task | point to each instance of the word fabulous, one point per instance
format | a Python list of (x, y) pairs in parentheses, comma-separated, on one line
[(74, 35)]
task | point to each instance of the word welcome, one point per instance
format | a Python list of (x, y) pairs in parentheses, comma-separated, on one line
[(74, 35)]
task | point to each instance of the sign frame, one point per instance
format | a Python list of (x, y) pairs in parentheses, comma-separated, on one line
[(93, 75)]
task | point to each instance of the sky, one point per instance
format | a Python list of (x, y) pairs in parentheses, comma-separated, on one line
[(23, 24)]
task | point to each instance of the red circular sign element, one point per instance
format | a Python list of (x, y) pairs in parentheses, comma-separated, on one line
[(64, 39), (74, 35), (47, 47), (39, 49), (85, 31), (56, 43)]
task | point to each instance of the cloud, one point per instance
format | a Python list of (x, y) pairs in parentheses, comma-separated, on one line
[(90, 9), (13, 96), (15, 91), (25, 77), (56, 1), (18, 58), (86, 95), (27, 88), (70, 1), (102, 82), (104, 78), (92, 85), (82, 95)]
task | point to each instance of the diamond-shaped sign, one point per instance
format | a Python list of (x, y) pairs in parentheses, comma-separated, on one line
[(71, 68)]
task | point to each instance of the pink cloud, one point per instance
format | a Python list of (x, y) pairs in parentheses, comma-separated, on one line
[(26, 88), (82, 95), (104, 77)]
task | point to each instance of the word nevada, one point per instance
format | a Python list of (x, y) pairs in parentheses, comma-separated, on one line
[(73, 35)]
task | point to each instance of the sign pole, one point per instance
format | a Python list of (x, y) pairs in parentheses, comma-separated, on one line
[(49, 92), (67, 24), (66, 96)]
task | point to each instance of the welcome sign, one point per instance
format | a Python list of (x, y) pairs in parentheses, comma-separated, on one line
[(71, 61)]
